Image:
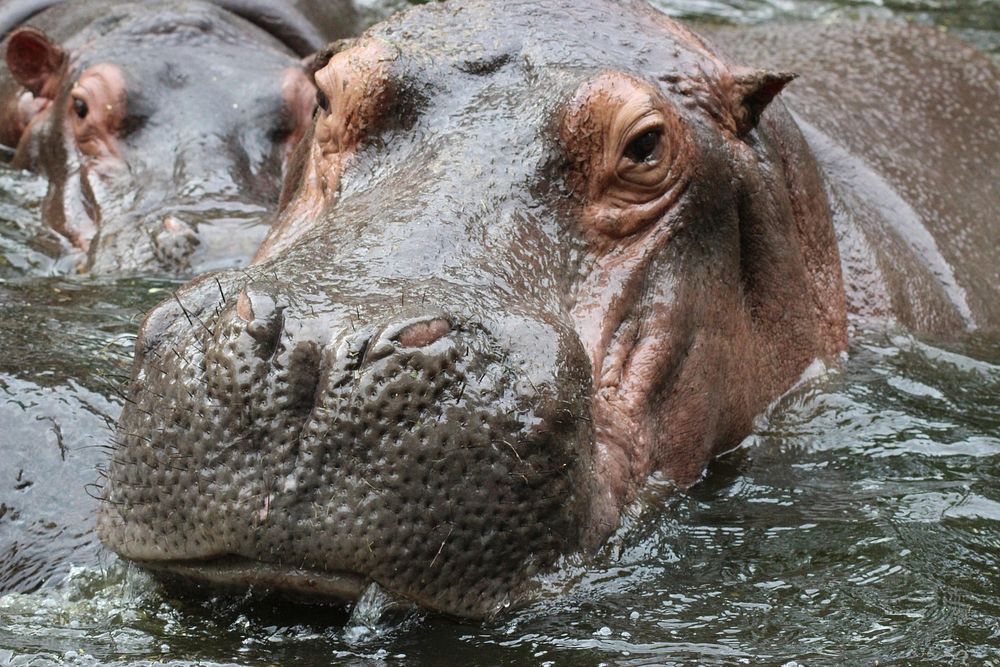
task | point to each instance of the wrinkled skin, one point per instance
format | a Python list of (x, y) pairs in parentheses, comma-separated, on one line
[(163, 128), (514, 273)]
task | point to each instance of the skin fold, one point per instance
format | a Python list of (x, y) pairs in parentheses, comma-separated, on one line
[(514, 273)]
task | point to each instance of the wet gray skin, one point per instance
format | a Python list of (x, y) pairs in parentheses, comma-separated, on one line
[(444, 371), (200, 147), (304, 26), (916, 216)]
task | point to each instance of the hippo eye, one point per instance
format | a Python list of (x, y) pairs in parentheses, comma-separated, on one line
[(322, 101), (643, 147), (80, 108)]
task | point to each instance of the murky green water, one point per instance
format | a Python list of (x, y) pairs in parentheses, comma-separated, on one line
[(860, 524)]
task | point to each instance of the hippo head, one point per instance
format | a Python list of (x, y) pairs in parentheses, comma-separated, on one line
[(151, 122), (529, 254)]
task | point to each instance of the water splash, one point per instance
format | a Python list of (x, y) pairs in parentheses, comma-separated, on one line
[(366, 621)]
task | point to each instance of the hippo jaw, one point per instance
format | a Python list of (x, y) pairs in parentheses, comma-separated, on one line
[(625, 237), (237, 573)]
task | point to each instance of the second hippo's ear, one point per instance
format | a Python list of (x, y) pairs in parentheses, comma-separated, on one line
[(35, 61), (753, 91)]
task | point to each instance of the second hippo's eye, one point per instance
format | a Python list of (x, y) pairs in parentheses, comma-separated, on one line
[(643, 148), (322, 101), (80, 108)]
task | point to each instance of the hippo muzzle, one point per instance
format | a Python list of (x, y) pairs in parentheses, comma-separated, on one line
[(514, 274), (434, 451)]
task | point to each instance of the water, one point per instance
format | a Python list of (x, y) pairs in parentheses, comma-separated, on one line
[(859, 524)]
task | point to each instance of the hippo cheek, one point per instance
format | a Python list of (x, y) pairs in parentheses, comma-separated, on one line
[(420, 451)]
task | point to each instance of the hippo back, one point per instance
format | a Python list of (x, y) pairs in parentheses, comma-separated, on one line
[(903, 122), (303, 25)]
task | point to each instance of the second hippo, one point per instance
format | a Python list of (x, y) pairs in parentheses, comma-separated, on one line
[(162, 128)]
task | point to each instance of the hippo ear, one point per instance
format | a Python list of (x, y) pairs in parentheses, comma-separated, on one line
[(753, 91), (34, 60)]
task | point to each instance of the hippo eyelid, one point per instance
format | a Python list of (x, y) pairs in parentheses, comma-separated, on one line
[(643, 148), (646, 127), (647, 118)]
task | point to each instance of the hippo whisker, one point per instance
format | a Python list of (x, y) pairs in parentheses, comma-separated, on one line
[(222, 293), (107, 447), (189, 316), (96, 492), (120, 393), (513, 449), (436, 555), (198, 346)]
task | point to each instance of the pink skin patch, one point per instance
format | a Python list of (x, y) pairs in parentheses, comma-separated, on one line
[(299, 95), (355, 84), (423, 334), (244, 309)]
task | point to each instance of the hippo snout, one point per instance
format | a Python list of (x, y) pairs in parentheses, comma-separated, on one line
[(424, 448)]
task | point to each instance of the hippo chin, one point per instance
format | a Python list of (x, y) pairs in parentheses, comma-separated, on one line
[(515, 273), (162, 127)]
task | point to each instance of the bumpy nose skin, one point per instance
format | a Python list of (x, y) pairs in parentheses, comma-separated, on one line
[(174, 243), (435, 453)]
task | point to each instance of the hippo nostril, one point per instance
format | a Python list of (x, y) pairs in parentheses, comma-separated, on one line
[(174, 242), (255, 307), (176, 226), (244, 309), (263, 320), (422, 334)]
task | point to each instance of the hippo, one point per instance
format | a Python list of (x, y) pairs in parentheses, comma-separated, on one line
[(162, 128), (528, 255)]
